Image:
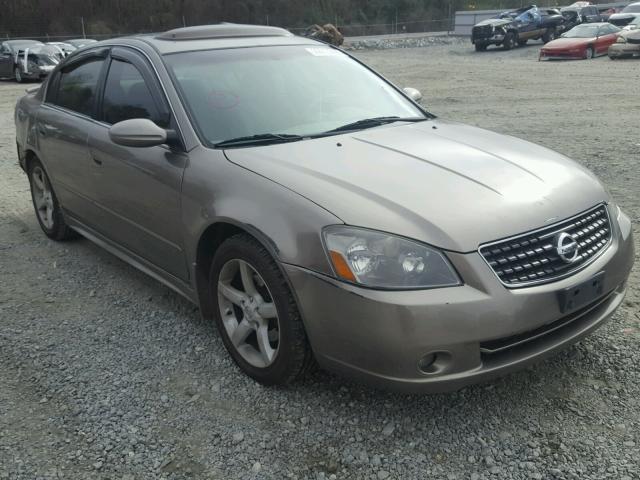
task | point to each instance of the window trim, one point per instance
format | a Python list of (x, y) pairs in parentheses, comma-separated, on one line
[(151, 81), (76, 62)]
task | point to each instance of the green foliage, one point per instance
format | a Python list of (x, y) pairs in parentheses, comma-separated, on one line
[(38, 18)]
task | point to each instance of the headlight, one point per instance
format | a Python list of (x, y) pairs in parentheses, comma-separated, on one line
[(621, 39), (379, 260)]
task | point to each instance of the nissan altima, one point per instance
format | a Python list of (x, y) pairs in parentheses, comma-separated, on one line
[(315, 212)]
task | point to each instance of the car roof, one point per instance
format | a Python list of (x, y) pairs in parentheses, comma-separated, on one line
[(22, 42), (221, 36)]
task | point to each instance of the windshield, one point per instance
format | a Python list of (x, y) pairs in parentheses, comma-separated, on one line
[(295, 90), (582, 31), (633, 8)]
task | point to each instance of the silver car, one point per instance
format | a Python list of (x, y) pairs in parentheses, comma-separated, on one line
[(316, 212)]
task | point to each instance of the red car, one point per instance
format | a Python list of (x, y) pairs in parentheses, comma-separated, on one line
[(586, 40)]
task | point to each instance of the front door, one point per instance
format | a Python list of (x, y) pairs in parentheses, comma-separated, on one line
[(137, 190)]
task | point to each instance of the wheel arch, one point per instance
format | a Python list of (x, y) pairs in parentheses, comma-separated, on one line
[(208, 243)]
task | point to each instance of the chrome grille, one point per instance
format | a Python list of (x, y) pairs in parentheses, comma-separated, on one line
[(533, 257), (483, 31)]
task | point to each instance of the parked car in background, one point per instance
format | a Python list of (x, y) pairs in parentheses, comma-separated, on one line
[(81, 42), (9, 56), (577, 14), (626, 16), (633, 25), (627, 45), (313, 209), (515, 27), (27, 59), (65, 47), (583, 41)]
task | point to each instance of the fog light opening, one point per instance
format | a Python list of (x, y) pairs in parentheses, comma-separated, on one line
[(434, 362)]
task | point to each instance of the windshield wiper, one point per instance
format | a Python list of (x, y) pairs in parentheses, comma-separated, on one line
[(374, 122), (261, 139)]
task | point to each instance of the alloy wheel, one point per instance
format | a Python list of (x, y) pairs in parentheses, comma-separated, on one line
[(248, 313), (42, 197)]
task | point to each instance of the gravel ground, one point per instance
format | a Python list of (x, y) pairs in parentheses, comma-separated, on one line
[(105, 373)]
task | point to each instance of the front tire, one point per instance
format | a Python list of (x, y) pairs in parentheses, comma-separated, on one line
[(45, 203), (509, 41), (256, 313)]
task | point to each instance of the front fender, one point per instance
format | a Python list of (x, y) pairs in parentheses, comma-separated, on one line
[(289, 225)]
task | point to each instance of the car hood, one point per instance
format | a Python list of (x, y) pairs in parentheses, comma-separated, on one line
[(446, 184), (623, 16), (564, 43), (495, 22)]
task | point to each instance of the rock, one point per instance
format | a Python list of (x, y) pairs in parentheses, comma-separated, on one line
[(388, 429), (256, 467), (237, 438), (383, 474)]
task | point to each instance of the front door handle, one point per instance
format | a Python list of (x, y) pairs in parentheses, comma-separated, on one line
[(96, 160)]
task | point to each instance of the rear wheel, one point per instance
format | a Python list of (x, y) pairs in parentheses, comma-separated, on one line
[(18, 75), (256, 313), (481, 47), (549, 35), (46, 205), (510, 41)]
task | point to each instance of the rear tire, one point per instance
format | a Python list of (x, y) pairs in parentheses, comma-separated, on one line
[(481, 47), (509, 41), (254, 306), (46, 206), (549, 35)]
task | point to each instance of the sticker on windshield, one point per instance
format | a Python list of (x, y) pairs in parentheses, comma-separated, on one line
[(322, 52)]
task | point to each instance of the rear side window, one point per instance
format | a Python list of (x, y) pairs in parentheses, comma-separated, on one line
[(126, 95), (77, 87)]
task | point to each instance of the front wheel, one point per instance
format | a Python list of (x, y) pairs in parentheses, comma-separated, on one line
[(509, 41), (256, 313)]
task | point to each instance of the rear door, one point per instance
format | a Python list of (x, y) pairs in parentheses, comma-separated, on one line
[(63, 126), (137, 190)]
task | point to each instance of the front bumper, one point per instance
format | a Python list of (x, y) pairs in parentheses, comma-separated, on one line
[(618, 50), (387, 338), (562, 55), (493, 40)]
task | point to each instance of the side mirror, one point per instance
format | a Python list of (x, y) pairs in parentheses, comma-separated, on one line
[(413, 93), (137, 132)]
